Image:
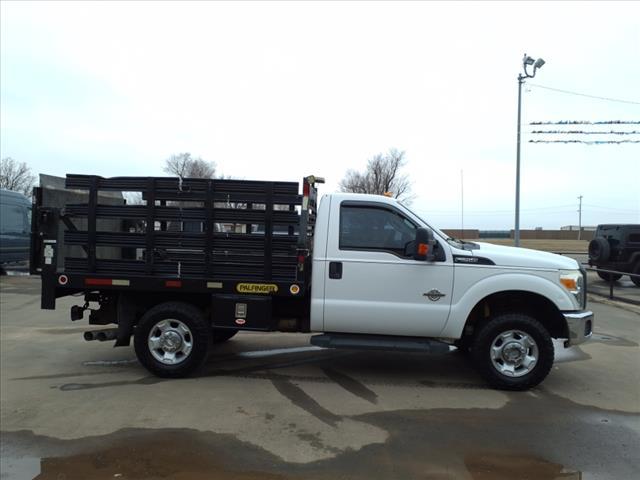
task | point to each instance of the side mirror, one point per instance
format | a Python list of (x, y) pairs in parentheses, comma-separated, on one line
[(424, 246)]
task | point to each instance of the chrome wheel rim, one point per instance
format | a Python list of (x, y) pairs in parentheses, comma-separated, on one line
[(514, 353), (170, 342)]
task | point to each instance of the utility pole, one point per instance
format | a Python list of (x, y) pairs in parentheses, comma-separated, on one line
[(580, 217)]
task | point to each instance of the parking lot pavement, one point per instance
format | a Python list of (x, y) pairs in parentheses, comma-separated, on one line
[(269, 406)]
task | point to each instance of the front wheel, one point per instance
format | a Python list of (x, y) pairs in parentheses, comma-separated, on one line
[(172, 339), (513, 352)]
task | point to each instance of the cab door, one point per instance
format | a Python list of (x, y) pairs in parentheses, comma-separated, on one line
[(372, 285)]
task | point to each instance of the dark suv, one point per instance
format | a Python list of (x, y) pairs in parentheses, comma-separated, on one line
[(616, 247)]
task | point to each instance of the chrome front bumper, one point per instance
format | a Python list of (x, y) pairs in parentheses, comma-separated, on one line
[(580, 326)]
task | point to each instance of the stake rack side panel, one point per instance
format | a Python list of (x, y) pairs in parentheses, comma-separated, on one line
[(191, 228)]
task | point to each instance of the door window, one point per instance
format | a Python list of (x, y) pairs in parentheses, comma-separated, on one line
[(375, 228)]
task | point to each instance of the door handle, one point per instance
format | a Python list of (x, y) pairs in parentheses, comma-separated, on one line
[(335, 270)]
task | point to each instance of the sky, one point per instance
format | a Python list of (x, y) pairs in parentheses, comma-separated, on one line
[(277, 91)]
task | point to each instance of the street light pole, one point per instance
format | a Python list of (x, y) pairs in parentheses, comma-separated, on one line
[(516, 233), (527, 60)]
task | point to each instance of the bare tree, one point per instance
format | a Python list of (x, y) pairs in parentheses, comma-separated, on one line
[(16, 176), (183, 165), (382, 176)]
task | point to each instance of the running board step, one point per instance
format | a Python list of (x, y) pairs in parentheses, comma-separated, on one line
[(379, 342)]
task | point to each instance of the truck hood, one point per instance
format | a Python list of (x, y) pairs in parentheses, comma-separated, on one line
[(523, 257)]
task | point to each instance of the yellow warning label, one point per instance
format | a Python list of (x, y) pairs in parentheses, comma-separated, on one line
[(256, 287)]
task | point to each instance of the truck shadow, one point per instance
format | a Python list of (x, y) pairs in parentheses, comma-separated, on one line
[(354, 371)]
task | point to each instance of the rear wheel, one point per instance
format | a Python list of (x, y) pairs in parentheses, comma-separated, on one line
[(172, 339), (513, 352), (609, 276)]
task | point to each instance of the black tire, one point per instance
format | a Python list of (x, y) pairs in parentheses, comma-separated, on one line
[(607, 276), (513, 322), (199, 337), (221, 335), (463, 346), (636, 271), (599, 250)]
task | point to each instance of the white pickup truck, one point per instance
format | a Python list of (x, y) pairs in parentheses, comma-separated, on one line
[(502, 304), (364, 271)]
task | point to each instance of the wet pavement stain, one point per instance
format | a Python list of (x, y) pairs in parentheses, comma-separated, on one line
[(151, 455), (351, 385), (545, 426), (456, 385), (89, 386), (611, 340), (301, 399), (493, 466), (66, 375), (535, 436)]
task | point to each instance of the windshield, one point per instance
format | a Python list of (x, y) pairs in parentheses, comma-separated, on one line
[(454, 242), (439, 232)]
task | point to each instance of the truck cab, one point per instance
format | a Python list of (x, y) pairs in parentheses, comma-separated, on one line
[(367, 280)]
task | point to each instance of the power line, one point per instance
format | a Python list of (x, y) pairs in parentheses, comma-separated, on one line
[(543, 210), (584, 132), (588, 122), (483, 212), (569, 92), (454, 215), (586, 142), (632, 210)]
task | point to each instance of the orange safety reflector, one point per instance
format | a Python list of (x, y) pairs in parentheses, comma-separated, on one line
[(173, 283), (569, 283), (423, 248)]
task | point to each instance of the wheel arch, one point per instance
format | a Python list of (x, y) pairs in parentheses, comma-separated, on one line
[(132, 306), (517, 301)]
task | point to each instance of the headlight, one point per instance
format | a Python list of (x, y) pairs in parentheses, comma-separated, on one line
[(573, 281)]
